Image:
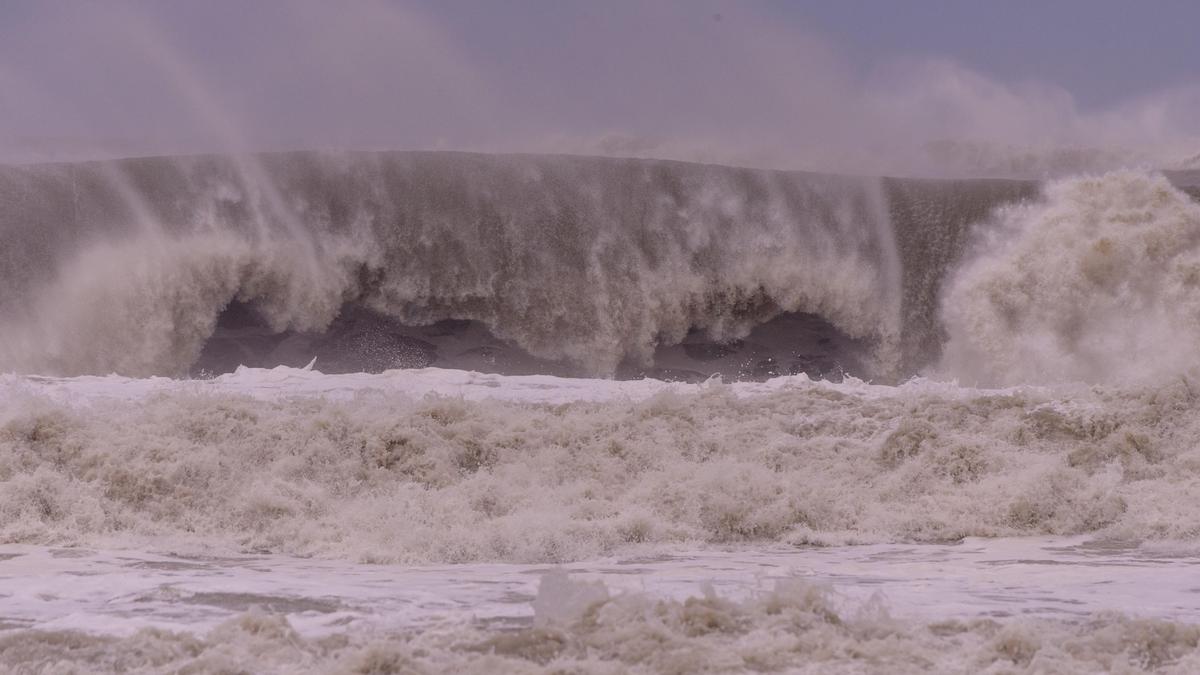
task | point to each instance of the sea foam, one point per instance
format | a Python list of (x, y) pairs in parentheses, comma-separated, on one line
[(390, 475)]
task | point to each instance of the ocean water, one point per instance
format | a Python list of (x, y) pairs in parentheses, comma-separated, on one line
[(438, 412)]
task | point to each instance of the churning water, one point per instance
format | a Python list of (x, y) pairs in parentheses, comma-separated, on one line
[(595, 415)]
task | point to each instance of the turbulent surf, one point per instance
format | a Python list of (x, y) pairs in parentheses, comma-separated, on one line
[(218, 365)]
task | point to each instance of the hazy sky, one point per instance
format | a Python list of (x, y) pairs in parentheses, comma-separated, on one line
[(1102, 51), (854, 85)]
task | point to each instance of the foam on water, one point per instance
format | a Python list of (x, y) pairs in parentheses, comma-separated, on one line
[(368, 468), (996, 606), (120, 592)]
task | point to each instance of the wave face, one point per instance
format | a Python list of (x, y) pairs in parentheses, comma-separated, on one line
[(586, 266)]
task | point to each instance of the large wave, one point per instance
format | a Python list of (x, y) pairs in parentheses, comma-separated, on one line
[(128, 266), (587, 266)]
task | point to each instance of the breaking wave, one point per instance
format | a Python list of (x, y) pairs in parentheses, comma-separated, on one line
[(590, 266), (1097, 281), (1080, 293), (586, 266)]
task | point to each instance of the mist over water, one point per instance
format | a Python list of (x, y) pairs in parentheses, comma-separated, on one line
[(303, 304), (708, 81)]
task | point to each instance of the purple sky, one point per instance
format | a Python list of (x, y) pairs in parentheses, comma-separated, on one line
[(855, 85)]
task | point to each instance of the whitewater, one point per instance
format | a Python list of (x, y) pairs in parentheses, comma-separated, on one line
[(450, 412)]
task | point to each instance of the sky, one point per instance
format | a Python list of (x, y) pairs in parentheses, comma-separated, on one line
[(1102, 51), (966, 87)]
